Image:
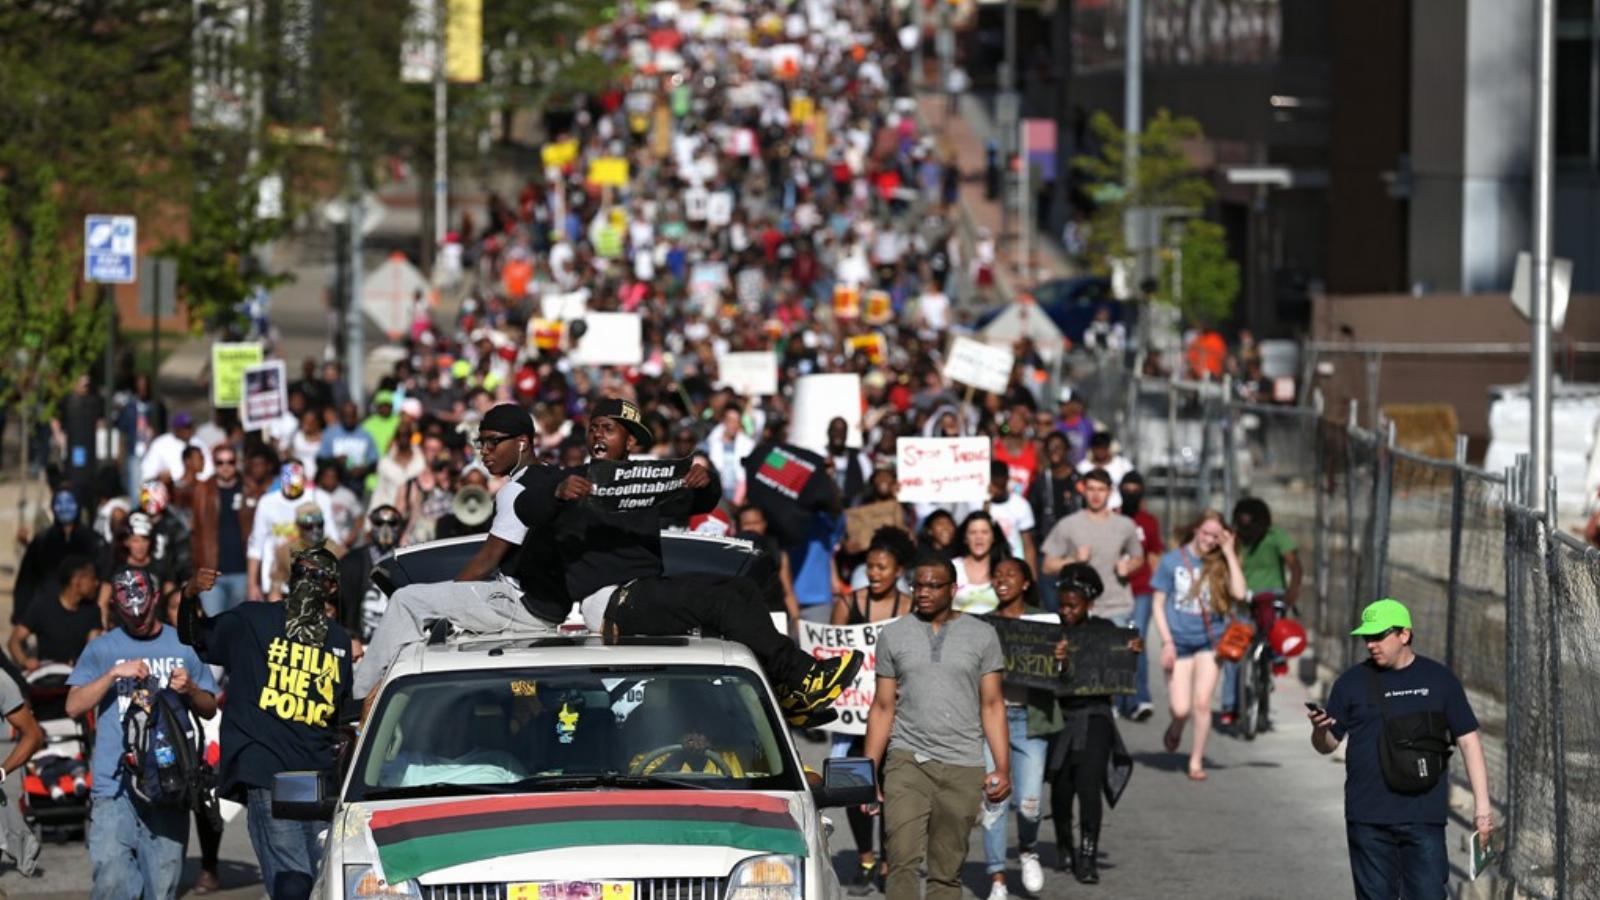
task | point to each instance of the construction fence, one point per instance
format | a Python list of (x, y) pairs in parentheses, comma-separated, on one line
[(1508, 602)]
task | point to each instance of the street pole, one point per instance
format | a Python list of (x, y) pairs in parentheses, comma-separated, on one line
[(1539, 363), (441, 145), (1009, 109), (916, 48), (108, 298), (1132, 126), (354, 353)]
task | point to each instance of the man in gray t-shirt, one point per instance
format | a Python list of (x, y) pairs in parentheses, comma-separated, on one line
[(938, 690), (16, 838), (1105, 540)]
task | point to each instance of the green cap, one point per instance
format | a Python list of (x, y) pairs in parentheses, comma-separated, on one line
[(382, 397), (1382, 615)]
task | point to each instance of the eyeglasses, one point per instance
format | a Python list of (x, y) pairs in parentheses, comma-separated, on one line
[(929, 585), (489, 442), (224, 460)]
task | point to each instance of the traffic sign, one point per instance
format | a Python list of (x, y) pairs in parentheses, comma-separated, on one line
[(110, 249)]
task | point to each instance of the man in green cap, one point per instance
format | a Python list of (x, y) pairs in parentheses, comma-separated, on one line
[(383, 421), (1401, 712)]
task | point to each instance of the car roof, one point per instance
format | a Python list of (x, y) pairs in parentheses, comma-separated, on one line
[(515, 650)]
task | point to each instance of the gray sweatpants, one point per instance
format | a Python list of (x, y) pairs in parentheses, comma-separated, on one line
[(481, 607)]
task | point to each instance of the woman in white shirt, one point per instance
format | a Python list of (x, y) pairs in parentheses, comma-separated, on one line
[(402, 463), (306, 444), (980, 550)]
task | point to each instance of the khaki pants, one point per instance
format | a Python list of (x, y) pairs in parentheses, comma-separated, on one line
[(929, 809)]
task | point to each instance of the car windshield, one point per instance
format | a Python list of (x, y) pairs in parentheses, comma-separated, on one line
[(514, 730)]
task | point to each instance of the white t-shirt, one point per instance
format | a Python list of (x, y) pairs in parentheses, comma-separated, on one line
[(935, 308), (507, 527), (1014, 516)]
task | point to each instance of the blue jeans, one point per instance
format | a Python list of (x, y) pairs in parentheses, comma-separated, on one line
[(136, 850), (1392, 861), (289, 853), (1028, 757), (1140, 620), (228, 593)]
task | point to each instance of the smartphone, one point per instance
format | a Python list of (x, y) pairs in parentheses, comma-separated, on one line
[(1314, 707)]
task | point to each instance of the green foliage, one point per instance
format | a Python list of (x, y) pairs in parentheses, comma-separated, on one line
[(214, 266), (50, 335), (1164, 177)]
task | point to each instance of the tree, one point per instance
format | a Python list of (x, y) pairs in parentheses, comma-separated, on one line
[(1165, 179), (51, 332), (215, 266)]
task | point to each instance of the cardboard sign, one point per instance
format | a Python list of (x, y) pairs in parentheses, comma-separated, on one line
[(862, 522), (846, 302), (880, 308), (610, 339), (818, 400), (749, 374), (266, 395), (825, 641), (558, 154), (228, 365), (1099, 661), (609, 171), (626, 487), (1029, 649), (943, 470), (978, 365)]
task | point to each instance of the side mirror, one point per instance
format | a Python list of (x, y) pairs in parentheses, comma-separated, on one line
[(848, 781), (301, 797)]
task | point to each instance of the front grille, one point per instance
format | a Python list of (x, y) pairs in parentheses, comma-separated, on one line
[(643, 889)]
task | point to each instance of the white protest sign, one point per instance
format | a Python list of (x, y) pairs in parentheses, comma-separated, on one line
[(266, 395), (978, 365), (564, 307), (818, 400), (943, 470), (694, 204), (719, 209), (749, 374), (824, 641), (610, 339)]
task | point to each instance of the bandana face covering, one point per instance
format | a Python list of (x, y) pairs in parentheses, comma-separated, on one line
[(313, 580)]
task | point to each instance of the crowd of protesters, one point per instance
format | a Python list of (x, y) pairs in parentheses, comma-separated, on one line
[(788, 161)]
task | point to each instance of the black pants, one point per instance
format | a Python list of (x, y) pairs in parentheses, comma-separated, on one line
[(1083, 776), (210, 843), (716, 606)]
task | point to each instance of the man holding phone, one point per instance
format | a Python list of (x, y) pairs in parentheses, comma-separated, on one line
[(1396, 793)]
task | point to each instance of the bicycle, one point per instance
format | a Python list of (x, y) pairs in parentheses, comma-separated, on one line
[(1255, 669)]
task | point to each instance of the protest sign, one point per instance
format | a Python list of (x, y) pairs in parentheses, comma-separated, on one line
[(880, 308), (943, 470), (546, 334), (695, 200), (719, 209), (1029, 649), (874, 345), (228, 364), (266, 395), (623, 488), (749, 374), (557, 154), (610, 339), (862, 522), (818, 400), (1099, 661), (825, 641), (564, 307), (800, 109), (609, 171), (978, 365), (846, 302)]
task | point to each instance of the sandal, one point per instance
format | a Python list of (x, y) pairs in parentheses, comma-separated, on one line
[(1173, 735)]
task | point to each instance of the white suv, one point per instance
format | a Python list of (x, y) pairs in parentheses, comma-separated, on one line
[(557, 768)]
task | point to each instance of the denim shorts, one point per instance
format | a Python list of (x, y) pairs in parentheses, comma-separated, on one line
[(1190, 635)]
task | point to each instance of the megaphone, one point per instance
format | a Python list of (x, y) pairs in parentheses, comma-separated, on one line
[(472, 506)]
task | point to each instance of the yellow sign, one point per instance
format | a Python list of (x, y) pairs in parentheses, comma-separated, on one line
[(228, 362), (463, 41), (801, 108), (558, 154), (879, 308), (846, 301), (609, 171), (874, 345), (559, 890)]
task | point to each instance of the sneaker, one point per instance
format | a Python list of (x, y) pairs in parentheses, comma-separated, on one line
[(1280, 669), (1228, 719), (813, 719), (863, 885), (997, 891), (1143, 712), (1032, 872), (824, 683)]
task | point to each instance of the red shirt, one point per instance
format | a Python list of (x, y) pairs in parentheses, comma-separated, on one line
[(1150, 537), (1023, 465)]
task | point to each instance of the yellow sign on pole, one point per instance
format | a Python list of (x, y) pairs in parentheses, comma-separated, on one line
[(558, 153), (800, 108), (609, 171), (228, 362), (463, 41)]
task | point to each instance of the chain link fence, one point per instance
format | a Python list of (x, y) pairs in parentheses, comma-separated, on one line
[(1509, 603)]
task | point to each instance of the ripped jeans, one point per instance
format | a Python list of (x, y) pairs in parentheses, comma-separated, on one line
[(1028, 758)]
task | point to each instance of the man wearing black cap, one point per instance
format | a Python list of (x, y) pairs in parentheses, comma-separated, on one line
[(615, 569), (507, 584)]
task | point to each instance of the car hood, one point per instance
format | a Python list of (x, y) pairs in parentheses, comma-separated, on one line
[(616, 860)]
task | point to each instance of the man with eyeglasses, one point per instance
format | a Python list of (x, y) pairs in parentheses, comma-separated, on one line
[(219, 532), (1395, 798), (508, 584), (938, 690)]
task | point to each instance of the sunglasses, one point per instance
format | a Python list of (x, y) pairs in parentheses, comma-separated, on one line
[(224, 461)]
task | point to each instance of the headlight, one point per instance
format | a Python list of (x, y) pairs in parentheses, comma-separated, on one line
[(775, 877), (361, 883)]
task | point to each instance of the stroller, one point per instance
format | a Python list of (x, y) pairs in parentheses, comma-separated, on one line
[(56, 782)]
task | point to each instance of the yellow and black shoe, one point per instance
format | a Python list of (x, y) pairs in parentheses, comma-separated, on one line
[(824, 683)]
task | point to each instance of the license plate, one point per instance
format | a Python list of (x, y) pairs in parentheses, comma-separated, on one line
[(570, 890)]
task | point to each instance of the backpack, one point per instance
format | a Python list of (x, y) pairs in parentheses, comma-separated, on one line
[(1413, 749), (164, 754)]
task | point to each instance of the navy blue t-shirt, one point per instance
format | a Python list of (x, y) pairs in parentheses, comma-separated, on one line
[(1423, 686)]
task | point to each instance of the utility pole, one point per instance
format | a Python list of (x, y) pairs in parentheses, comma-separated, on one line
[(1539, 363), (354, 353), (1009, 109), (441, 144), (1061, 59)]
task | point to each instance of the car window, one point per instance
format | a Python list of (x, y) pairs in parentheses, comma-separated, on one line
[(711, 725)]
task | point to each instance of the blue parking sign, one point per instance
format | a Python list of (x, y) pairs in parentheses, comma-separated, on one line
[(110, 249)]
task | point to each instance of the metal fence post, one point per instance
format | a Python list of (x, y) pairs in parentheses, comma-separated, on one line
[(1382, 494), (1513, 700), (1319, 540), (1230, 450), (1352, 553), (1558, 755), (1458, 489), (1172, 446)]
